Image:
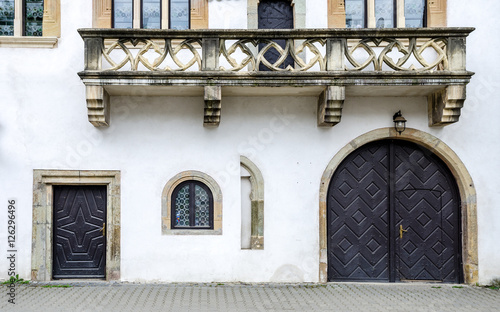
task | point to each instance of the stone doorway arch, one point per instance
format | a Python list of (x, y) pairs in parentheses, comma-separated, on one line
[(468, 205)]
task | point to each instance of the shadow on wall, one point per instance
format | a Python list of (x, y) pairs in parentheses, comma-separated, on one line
[(288, 273)]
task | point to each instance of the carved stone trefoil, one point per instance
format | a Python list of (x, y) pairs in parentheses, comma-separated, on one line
[(330, 104), (98, 106), (445, 105), (212, 106)]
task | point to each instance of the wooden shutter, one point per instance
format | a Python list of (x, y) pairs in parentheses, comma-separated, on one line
[(436, 13), (101, 13), (51, 18), (336, 14), (199, 14)]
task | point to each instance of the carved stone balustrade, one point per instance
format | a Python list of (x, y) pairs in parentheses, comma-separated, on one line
[(328, 63)]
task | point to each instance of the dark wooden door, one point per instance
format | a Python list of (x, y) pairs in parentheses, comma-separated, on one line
[(358, 219), (79, 245), (378, 188), (275, 14), (427, 207)]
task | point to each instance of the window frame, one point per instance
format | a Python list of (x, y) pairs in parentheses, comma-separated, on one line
[(434, 14), (103, 14), (166, 204), (50, 32), (192, 208)]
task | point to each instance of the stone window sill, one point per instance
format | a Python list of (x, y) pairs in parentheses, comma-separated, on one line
[(192, 232), (28, 42)]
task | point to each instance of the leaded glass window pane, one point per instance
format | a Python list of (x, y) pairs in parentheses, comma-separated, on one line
[(6, 17), (201, 207), (355, 13), (192, 206), (182, 207), (414, 13), (122, 13), (151, 14), (179, 14), (33, 17), (384, 13)]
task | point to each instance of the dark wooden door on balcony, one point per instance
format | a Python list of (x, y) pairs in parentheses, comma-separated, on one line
[(79, 243), (379, 189), (277, 14)]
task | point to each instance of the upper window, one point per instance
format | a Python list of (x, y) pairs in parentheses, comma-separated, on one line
[(157, 14), (192, 206), (30, 23), (384, 13), (31, 13)]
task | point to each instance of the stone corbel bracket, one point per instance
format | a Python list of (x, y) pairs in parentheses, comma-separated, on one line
[(97, 106), (330, 104), (212, 109), (444, 106)]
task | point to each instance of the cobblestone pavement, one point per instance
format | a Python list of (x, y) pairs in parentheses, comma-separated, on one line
[(250, 297)]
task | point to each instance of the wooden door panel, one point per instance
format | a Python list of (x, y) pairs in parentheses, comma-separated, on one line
[(419, 252), (426, 203), (399, 183), (357, 217), (79, 243)]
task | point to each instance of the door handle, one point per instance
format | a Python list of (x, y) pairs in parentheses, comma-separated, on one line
[(401, 230), (103, 229)]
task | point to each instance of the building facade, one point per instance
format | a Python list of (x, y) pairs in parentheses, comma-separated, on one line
[(181, 141)]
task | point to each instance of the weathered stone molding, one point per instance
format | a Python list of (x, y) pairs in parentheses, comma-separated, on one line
[(212, 108), (51, 18), (330, 104), (42, 253), (98, 106), (28, 42), (101, 13), (257, 203), (462, 177), (444, 106), (166, 203)]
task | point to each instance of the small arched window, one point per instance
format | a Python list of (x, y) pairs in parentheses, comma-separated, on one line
[(192, 206)]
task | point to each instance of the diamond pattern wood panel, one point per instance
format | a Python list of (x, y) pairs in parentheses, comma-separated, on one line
[(426, 206), (79, 243), (425, 201), (358, 228)]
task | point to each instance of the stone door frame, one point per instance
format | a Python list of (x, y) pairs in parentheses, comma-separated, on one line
[(42, 252)]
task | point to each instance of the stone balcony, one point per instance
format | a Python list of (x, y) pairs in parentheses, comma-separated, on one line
[(328, 63)]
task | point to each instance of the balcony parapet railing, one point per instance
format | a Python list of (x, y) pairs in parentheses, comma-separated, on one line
[(332, 58), (425, 49)]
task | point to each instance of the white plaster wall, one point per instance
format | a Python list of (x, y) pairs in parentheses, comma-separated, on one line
[(227, 14), (43, 125), (476, 138), (316, 14)]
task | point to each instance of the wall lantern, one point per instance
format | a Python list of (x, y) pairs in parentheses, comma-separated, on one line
[(399, 122)]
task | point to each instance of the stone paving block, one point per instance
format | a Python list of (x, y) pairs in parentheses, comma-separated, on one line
[(123, 297)]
